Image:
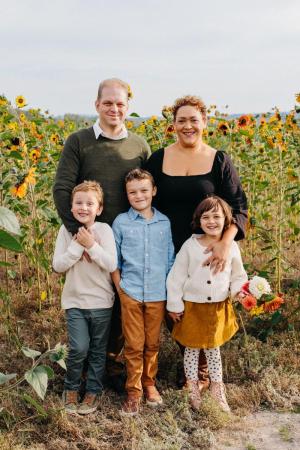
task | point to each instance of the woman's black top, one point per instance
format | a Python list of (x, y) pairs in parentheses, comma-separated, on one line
[(178, 196)]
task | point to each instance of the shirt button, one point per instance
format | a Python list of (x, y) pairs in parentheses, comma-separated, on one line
[(146, 254), (208, 298), (208, 282)]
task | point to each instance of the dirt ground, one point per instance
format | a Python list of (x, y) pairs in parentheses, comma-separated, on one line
[(264, 430)]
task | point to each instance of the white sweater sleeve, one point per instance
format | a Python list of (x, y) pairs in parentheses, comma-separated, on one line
[(176, 279), (238, 274), (67, 251), (105, 253)]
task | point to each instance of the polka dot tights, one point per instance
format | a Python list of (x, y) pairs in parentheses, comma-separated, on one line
[(214, 362)]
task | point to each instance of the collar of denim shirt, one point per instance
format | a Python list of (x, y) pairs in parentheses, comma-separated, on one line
[(157, 216)]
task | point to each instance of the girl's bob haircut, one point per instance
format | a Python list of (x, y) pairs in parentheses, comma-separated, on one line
[(212, 203)]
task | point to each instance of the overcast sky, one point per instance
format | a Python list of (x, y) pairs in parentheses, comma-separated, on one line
[(244, 54)]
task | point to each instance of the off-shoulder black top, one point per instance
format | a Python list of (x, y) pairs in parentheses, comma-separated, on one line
[(178, 196)]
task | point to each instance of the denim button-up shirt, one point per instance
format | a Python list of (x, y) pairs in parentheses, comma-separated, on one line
[(145, 254)]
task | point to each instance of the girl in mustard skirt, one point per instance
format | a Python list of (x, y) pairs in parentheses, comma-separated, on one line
[(199, 299)]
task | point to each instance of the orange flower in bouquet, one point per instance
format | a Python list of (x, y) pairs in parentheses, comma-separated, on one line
[(273, 305), (248, 302), (257, 298)]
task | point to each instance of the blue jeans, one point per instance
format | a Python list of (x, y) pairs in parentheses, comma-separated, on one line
[(88, 331)]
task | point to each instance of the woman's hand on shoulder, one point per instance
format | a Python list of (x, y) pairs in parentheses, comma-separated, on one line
[(176, 317), (219, 256)]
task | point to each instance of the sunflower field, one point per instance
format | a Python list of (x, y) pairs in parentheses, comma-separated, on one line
[(265, 150)]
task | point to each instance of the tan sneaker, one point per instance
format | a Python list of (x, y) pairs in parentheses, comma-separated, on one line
[(152, 395), (217, 391), (131, 406), (194, 394), (89, 404), (70, 399)]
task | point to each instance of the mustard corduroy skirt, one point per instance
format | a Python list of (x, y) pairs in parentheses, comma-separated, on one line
[(206, 325)]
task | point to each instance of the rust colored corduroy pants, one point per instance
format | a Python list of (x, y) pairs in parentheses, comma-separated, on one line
[(141, 323)]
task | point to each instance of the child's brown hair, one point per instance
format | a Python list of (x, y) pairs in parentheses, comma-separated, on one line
[(209, 203), (139, 174), (89, 186)]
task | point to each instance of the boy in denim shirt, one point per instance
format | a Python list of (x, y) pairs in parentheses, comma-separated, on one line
[(145, 256)]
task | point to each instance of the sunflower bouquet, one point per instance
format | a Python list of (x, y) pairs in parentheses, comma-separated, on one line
[(257, 298)]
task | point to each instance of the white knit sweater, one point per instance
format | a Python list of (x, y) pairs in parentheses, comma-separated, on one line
[(88, 285), (188, 280)]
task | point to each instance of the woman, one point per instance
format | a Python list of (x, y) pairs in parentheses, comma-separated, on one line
[(188, 171)]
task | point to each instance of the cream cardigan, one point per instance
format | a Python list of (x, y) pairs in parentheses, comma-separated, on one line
[(188, 280), (88, 285)]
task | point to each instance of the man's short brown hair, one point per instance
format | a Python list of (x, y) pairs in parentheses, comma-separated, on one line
[(114, 82), (189, 100), (139, 174), (209, 203), (92, 186)]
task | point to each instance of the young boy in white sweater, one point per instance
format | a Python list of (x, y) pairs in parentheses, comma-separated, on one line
[(88, 257)]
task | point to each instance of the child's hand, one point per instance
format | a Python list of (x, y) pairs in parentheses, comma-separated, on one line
[(176, 317), (239, 297), (85, 238)]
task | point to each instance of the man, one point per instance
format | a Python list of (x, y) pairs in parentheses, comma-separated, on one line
[(103, 153)]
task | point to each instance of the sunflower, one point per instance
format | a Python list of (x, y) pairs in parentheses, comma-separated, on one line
[(129, 124), (263, 121), (20, 101), (30, 177), (274, 118), (54, 138), (141, 128), (35, 154), (205, 133), (223, 127), (13, 126), (15, 141), (297, 98), (19, 190), (3, 100), (130, 94), (244, 121), (167, 112)]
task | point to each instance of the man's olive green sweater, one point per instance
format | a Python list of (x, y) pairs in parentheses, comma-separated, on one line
[(103, 160)]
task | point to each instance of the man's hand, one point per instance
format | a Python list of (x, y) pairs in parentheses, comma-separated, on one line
[(85, 238), (219, 255), (176, 317)]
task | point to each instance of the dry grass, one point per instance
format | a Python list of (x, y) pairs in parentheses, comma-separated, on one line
[(257, 374)]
